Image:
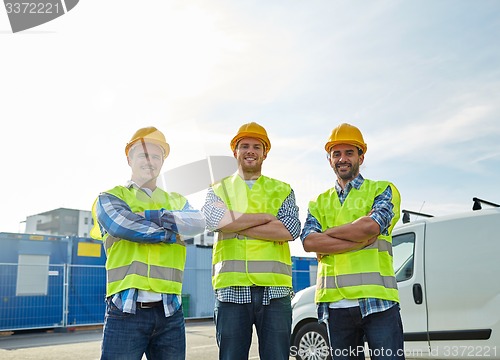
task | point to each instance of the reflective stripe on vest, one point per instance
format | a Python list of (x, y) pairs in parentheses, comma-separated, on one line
[(341, 281), (381, 245), (243, 266), (141, 269), (109, 241), (241, 261)]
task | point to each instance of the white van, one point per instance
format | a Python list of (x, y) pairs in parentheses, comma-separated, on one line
[(448, 272)]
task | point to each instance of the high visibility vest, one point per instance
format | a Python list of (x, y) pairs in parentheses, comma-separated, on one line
[(363, 273), (155, 267), (242, 261)]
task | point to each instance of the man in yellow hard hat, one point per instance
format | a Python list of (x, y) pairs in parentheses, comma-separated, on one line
[(140, 225), (255, 216), (349, 227)]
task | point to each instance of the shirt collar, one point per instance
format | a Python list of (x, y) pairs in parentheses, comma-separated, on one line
[(129, 184), (354, 183)]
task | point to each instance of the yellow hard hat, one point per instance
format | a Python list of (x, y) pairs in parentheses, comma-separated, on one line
[(346, 134), (252, 130), (152, 135)]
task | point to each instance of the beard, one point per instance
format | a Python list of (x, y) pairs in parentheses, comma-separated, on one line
[(257, 166), (347, 175)]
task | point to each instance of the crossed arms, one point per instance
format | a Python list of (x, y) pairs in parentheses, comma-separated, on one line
[(283, 227), (152, 226), (351, 236)]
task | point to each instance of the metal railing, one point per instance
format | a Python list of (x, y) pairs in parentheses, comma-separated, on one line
[(65, 296)]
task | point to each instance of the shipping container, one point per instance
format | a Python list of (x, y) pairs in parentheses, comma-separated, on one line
[(87, 282), (32, 279), (304, 270)]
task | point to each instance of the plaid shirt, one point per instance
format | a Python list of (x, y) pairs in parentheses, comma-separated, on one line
[(382, 214), (117, 219), (126, 301), (288, 214), (242, 294)]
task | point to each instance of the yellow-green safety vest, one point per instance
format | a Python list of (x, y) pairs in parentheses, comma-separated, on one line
[(242, 261), (155, 267), (363, 273)]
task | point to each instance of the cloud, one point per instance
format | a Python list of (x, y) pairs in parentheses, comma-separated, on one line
[(441, 136)]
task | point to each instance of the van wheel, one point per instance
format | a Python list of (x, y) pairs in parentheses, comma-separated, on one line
[(311, 342)]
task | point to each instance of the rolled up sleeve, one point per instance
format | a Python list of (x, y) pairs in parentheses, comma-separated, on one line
[(288, 214), (382, 210), (213, 214), (311, 225)]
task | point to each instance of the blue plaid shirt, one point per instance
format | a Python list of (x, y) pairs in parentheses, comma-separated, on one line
[(382, 214), (116, 218), (288, 214)]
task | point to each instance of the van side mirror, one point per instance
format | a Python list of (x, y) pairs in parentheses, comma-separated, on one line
[(406, 218)]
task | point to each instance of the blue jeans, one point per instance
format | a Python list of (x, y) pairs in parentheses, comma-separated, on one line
[(148, 331), (383, 331), (234, 327)]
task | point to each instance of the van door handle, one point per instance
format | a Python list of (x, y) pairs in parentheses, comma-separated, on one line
[(417, 294)]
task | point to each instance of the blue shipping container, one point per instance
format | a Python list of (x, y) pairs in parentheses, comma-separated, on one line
[(87, 282), (32, 269), (304, 271)]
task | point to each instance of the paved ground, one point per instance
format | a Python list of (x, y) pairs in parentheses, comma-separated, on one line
[(84, 344)]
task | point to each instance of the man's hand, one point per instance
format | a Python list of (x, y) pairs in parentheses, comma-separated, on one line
[(178, 240), (371, 241), (220, 205)]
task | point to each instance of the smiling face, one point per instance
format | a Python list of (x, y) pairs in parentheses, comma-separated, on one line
[(345, 162), (145, 160), (250, 155)]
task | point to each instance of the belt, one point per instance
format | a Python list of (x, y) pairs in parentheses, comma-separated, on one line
[(149, 305)]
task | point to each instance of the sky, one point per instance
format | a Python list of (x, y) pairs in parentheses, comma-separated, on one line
[(420, 79)]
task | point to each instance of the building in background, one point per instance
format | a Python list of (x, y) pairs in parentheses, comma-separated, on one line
[(72, 222), (62, 222)]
